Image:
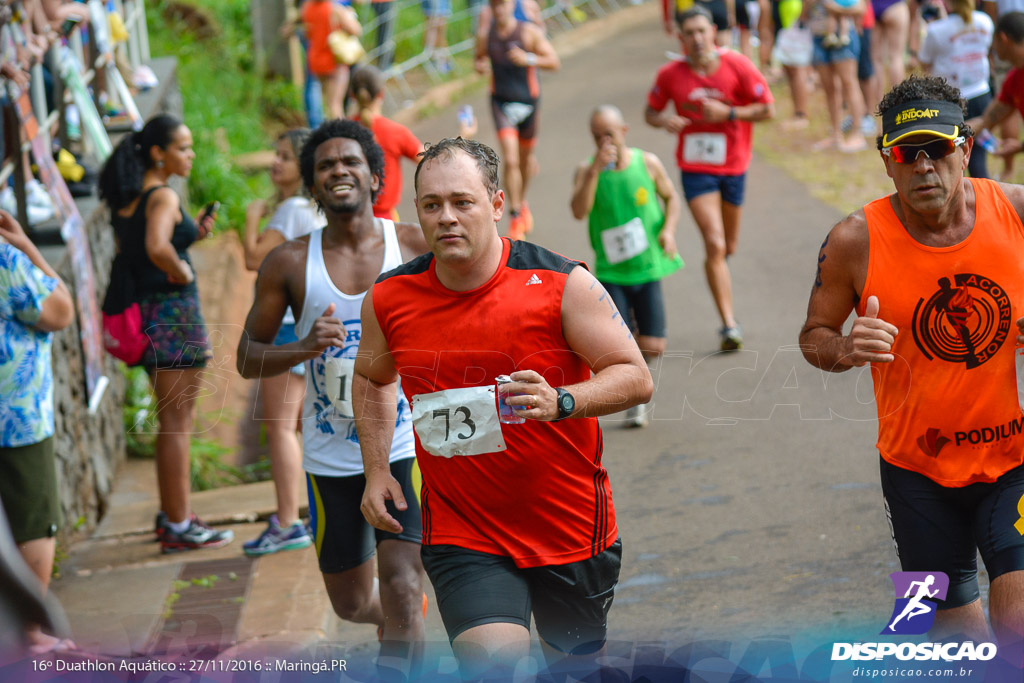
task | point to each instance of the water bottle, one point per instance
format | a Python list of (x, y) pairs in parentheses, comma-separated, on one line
[(1018, 357), (465, 115), (989, 144)]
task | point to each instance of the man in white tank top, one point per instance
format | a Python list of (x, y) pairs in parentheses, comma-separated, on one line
[(324, 276)]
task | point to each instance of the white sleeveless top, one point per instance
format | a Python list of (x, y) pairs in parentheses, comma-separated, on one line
[(295, 217), (330, 446)]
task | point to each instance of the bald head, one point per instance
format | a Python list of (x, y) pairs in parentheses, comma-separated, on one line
[(609, 113), (607, 126)]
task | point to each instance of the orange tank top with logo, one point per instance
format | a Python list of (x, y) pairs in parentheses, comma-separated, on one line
[(947, 406)]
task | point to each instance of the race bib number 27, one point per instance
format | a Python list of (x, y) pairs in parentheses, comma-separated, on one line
[(458, 422), (624, 242)]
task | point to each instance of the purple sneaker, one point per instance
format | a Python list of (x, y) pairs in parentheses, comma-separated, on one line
[(197, 535), (274, 538)]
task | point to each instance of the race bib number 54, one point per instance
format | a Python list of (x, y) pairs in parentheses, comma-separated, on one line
[(458, 422), (704, 148)]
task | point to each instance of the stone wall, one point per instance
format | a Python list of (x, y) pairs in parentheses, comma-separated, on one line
[(90, 447)]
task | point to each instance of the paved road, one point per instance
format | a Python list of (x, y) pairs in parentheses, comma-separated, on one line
[(751, 505)]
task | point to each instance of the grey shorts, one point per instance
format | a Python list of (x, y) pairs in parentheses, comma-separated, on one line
[(643, 305)]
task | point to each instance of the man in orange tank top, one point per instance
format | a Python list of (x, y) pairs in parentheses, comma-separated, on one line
[(517, 518), (934, 274)]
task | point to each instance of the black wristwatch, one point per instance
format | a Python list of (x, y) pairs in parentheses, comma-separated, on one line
[(565, 402)]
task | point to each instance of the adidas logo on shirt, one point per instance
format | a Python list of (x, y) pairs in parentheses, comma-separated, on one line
[(534, 280)]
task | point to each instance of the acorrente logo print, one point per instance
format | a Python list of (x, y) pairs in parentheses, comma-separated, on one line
[(965, 320)]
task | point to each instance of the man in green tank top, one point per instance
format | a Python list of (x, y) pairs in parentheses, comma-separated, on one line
[(632, 233)]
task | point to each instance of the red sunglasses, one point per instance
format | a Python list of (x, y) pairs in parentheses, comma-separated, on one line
[(934, 150)]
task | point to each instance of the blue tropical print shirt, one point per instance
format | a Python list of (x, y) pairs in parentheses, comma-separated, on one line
[(26, 373)]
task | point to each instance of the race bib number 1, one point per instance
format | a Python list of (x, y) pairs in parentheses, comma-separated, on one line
[(458, 422), (624, 242), (704, 148), (338, 382)]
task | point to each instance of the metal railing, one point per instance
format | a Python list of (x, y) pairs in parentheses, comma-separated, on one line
[(133, 13)]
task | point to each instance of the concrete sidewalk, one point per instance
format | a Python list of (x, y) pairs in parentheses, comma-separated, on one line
[(123, 597)]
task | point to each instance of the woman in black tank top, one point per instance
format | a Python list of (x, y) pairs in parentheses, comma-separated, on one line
[(153, 234)]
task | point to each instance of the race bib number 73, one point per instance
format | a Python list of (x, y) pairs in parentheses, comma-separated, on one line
[(458, 422)]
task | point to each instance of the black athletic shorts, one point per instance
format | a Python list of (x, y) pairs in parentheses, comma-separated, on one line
[(28, 490), (516, 118), (570, 602), (742, 14), (642, 305), (719, 13), (342, 536), (939, 528)]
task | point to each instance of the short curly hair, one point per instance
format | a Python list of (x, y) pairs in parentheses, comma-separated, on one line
[(923, 88), (341, 128)]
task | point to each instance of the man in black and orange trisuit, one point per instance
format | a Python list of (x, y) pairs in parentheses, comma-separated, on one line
[(515, 50), (523, 514), (935, 276)]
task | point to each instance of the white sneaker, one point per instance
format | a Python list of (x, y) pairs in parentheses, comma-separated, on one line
[(37, 212), (7, 201), (37, 195), (636, 417), (868, 126)]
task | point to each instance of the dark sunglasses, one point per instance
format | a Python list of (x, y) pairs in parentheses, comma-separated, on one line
[(934, 150)]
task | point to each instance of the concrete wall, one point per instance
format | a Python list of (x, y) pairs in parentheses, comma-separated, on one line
[(90, 447)]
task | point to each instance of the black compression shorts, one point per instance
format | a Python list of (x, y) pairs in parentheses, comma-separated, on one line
[(570, 602), (342, 536), (939, 528)]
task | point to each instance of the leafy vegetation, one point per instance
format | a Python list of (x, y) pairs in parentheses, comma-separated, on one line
[(229, 106), (208, 467)]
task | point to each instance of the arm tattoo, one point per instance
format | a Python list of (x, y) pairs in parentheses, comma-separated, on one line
[(821, 259), (605, 296)]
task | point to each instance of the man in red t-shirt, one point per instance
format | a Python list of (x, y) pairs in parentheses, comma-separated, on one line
[(1008, 44), (716, 94), (517, 518)]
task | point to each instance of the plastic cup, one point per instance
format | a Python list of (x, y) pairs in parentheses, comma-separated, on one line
[(506, 413)]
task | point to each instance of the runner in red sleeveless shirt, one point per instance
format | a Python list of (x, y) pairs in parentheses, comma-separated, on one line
[(716, 95), (514, 515)]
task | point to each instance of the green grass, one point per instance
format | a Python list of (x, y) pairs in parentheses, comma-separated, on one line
[(230, 107), (844, 181)]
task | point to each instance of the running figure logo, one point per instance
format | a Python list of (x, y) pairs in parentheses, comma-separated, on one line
[(965, 321), (914, 612)]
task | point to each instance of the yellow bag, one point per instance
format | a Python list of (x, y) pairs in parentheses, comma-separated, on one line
[(118, 32), (346, 48)]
